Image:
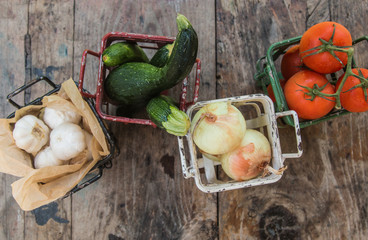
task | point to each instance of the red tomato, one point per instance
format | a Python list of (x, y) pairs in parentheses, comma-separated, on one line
[(324, 62), (270, 90), (291, 62), (297, 99), (353, 100)]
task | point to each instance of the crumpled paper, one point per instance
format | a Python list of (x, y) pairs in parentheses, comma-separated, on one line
[(37, 187)]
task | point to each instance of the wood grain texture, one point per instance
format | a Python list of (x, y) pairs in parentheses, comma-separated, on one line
[(12, 71), (50, 30), (322, 194)]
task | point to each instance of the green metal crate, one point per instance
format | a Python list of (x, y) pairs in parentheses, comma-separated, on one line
[(268, 74)]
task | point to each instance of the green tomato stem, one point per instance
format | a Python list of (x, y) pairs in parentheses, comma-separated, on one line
[(348, 72)]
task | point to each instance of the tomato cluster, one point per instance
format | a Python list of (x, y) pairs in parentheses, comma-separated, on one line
[(325, 48)]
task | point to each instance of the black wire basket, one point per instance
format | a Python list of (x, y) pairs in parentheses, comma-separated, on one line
[(105, 163)]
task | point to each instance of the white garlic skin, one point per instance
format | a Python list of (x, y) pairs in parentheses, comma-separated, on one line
[(54, 117), (30, 134), (67, 141), (46, 158)]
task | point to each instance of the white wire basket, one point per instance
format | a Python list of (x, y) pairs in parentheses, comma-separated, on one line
[(259, 113)]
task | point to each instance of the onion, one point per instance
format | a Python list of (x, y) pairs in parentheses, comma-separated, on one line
[(215, 158), (250, 159), (218, 128)]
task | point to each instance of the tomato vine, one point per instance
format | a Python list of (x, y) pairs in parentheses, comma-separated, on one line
[(328, 46)]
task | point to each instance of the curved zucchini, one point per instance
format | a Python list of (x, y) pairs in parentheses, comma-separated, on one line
[(123, 52), (132, 83), (184, 53), (164, 113), (162, 55), (136, 83)]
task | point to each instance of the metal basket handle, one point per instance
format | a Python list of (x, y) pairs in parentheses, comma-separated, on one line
[(188, 172), (81, 75), (29, 84), (297, 134), (86, 183), (96, 174)]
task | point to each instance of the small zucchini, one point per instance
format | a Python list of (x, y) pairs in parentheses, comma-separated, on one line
[(162, 55), (123, 52), (164, 113)]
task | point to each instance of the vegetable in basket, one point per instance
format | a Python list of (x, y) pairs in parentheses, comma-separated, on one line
[(300, 94), (324, 48), (46, 158), (53, 146), (165, 114), (67, 141), (135, 83), (219, 131), (123, 52), (354, 93), (218, 128), (30, 134), (162, 55), (320, 47), (250, 159), (54, 117), (291, 62)]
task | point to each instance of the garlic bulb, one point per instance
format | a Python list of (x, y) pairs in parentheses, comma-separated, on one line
[(54, 117), (46, 158), (30, 134), (67, 141)]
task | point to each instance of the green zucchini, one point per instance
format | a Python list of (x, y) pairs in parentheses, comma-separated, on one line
[(136, 83), (123, 52), (131, 84), (162, 55), (164, 113)]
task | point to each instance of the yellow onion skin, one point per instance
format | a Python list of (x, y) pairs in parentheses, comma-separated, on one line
[(215, 158), (218, 128), (249, 159)]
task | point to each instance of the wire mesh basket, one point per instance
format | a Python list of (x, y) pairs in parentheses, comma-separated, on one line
[(259, 113), (105, 163), (267, 73), (146, 42)]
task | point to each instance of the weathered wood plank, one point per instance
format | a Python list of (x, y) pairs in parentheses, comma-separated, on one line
[(12, 31), (144, 196), (51, 55), (321, 195)]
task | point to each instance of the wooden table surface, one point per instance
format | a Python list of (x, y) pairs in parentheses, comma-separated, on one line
[(322, 195)]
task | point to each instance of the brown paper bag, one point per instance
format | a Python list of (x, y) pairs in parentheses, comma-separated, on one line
[(38, 187)]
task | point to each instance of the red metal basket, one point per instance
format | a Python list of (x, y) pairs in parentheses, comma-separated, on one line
[(154, 42)]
